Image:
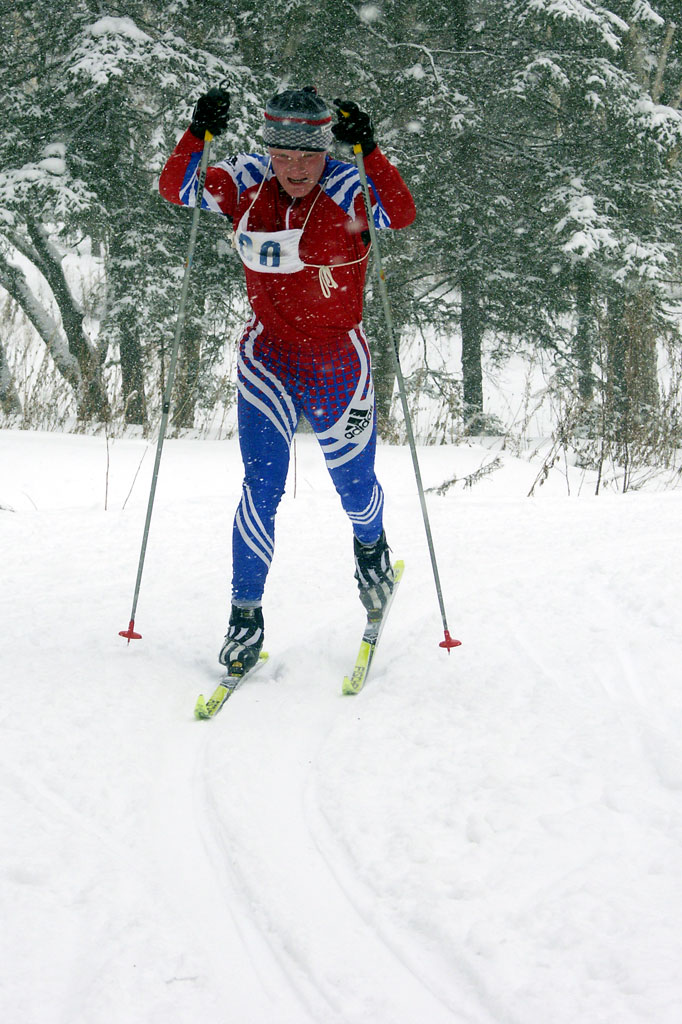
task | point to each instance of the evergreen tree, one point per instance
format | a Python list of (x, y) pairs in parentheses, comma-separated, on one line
[(609, 181), (541, 139), (38, 194), (100, 101)]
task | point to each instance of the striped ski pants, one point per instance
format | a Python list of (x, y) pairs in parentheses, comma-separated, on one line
[(333, 389)]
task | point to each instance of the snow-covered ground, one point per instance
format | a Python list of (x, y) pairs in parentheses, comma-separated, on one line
[(488, 837)]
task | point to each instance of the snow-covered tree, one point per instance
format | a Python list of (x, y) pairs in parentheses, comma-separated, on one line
[(545, 160), (609, 179), (97, 102), (541, 139)]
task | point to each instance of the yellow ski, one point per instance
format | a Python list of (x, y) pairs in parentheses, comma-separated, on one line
[(370, 639), (210, 708)]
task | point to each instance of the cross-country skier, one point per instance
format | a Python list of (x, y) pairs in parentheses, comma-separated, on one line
[(300, 229)]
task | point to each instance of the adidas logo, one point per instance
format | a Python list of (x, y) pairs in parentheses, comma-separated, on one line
[(358, 420)]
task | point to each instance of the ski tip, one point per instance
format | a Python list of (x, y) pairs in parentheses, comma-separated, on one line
[(352, 686), (209, 708)]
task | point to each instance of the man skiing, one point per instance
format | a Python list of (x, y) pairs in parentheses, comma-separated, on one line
[(301, 233)]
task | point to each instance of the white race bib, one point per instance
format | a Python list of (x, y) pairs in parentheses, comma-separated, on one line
[(269, 252)]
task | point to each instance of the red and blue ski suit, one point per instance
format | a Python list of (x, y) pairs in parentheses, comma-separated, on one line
[(304, 350)]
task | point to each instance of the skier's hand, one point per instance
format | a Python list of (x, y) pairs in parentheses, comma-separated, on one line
[(211, 113), (353, 126)]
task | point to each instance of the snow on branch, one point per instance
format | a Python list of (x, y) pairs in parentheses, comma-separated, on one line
[(585, 14), (642, 11), (589, 231), (46, 178)]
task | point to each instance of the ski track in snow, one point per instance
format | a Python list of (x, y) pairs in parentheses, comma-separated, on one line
[(489, 837), (343, 968)]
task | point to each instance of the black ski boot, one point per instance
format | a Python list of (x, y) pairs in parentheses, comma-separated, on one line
[(374, 573), (243, 642)]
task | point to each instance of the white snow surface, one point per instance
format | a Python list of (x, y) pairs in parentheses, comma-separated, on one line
[(487, 837)]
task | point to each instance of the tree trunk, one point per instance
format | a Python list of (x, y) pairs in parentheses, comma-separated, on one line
[(632, 383), (92, 398), (472, 317), (383, 373), (15, 282), (77, 361), (460, 10), (472, 325), (616, 365), (472, 374), (583, 343), (9, 399), (186, 382), (132, 376)]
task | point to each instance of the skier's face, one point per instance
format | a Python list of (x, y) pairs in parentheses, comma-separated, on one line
[(297, 170)]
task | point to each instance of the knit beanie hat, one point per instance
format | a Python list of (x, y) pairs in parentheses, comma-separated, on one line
[(298, 119)]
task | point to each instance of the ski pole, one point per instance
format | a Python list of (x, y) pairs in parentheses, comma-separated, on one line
[(130, 633), (448, 642)]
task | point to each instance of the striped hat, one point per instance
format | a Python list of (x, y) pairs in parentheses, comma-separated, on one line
[(298, 119)]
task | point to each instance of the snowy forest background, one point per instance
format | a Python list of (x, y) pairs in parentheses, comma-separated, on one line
[(542, 140), (495, 836)]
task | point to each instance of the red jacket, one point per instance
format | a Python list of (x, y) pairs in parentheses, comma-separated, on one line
[(297, 307)]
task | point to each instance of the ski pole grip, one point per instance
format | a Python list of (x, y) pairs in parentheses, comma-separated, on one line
[(357, 148)]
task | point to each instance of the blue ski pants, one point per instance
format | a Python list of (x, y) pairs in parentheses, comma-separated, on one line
[(332, 387)]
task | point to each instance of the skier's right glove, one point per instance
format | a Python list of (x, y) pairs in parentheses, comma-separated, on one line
[(354, 126), (211, 113)]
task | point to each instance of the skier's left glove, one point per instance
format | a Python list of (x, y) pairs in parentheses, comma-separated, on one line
[(354, 126)]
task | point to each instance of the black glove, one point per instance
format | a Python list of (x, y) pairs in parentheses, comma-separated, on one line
[(211, 113), (353, 126)]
